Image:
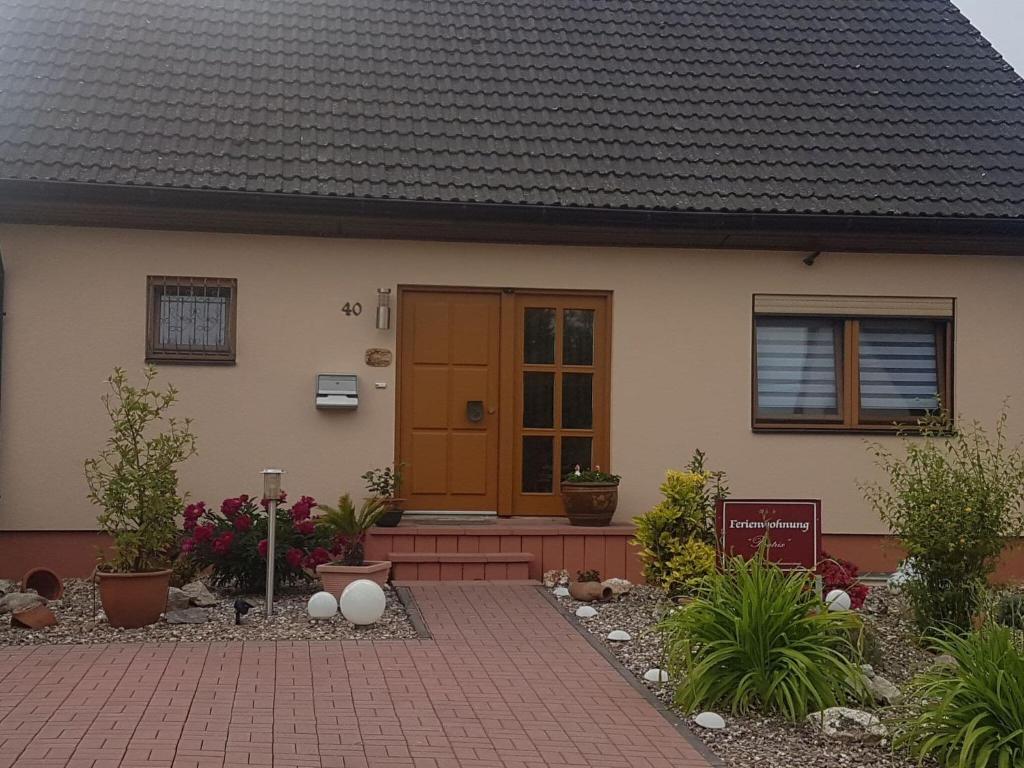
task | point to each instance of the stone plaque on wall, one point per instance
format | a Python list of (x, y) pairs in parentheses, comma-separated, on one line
[(378, 358)]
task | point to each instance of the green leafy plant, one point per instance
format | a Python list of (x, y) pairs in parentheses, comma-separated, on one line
[(348, 526), (970, 713), (134, 479), (594, 475), (588, 575), (384, 482), (676, 536), (953, 499), (1010, 611), (756, 637)]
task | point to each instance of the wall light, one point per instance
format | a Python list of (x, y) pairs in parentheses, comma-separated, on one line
[(383, 309)]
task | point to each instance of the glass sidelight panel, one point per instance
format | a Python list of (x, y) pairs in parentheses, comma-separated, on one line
[(578, 337), (538, 463), (577, 400), (538, 399), (576, 451), (539, 336)]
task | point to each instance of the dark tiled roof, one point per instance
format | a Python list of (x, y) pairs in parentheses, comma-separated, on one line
[(818, 106)]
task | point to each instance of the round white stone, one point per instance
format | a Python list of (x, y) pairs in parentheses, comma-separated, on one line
[(560, 591), (710, 720), (322, 605), (837, 600), (363, 602), (656, 676), (619, 636), (586, 612)]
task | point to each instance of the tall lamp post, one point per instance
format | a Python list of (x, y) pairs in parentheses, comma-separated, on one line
[(272, 493)]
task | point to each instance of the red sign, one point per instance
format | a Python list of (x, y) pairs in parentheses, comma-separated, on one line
[(792, 526)]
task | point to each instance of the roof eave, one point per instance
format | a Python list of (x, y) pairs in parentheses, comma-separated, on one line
[(108, 205)]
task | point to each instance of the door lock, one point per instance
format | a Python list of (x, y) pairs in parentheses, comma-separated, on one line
[(474, 411)]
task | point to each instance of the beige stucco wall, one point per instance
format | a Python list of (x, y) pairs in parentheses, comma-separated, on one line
[(75, 303)]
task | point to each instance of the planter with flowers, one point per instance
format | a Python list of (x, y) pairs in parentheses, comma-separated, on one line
[(134, 480), (385, 484), (346, 528), (590, 496), (232, 542)]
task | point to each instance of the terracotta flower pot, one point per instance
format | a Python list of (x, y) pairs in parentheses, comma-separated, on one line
[(336, 577), (590, 503), (589, 591), (133, 600), (43, 581)]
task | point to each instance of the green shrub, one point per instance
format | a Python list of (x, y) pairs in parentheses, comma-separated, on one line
[(971, 713), (757, 637), (134, 479), (348, 526), (953, 499), (1010, 611), (676, 536)]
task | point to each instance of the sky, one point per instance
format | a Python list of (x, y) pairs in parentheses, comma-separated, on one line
[(1002, 24)]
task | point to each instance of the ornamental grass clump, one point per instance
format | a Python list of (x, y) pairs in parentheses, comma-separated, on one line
[(676, 537), (759, 638), (969, 714), (953, 499)]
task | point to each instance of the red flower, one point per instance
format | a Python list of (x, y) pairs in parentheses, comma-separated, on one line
[(222, 544), (305, 527), (318, 556), (301, 508), (187, 546), (837, 573), (294, 557), (230, 507), (261, 548), (243, 523), (192, 514), (203, 533)]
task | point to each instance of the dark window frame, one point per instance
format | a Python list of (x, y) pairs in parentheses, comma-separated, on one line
[(850, 417), (157, 353)]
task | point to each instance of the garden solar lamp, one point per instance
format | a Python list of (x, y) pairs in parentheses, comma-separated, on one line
[(272, 493)]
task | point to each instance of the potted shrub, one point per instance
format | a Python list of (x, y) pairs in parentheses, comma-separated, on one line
[(347, 528), (590, 496), (384, 484), (135, 482), (587, 587)]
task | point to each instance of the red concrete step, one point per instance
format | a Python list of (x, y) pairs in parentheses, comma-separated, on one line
[(460, 566)]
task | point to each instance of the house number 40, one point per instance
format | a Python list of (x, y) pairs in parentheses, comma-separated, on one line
[(351, 309)]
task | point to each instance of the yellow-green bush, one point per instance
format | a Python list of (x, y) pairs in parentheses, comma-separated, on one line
[(676, 536)]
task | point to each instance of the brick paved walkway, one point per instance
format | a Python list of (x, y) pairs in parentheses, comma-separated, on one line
[(504, 683)]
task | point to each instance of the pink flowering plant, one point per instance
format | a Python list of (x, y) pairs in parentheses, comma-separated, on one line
[(232, 542)]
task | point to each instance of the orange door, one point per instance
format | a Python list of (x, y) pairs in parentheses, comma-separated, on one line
[(561, 386), (448, 399)]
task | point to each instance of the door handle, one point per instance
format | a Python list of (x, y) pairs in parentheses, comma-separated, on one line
[(475, 411)]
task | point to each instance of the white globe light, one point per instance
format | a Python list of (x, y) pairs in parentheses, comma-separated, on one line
[(322, 605), (837, 600), (363, 602)]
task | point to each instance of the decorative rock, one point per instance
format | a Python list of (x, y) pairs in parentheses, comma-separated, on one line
[(177, 600), (560, 591), (20, 601), (884, 692), (837, 600), (199, 594), (656, 676), (7, 586), (586, 612), (618, 586), (710, 720), (868, 670), (945, 660), (619, 636), (363, 602), (848, 724), (556, 578), (322, 605), (187, 616)]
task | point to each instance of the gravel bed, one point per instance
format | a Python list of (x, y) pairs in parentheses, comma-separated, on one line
[(760, 741), (79, 622)]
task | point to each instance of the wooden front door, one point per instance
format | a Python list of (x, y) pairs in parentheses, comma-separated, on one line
[(448, 390), (501, 393)]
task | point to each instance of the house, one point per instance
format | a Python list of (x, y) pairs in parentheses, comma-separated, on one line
[(598, 233)]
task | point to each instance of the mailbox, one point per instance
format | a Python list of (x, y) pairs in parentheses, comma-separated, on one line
[(337, 390)]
